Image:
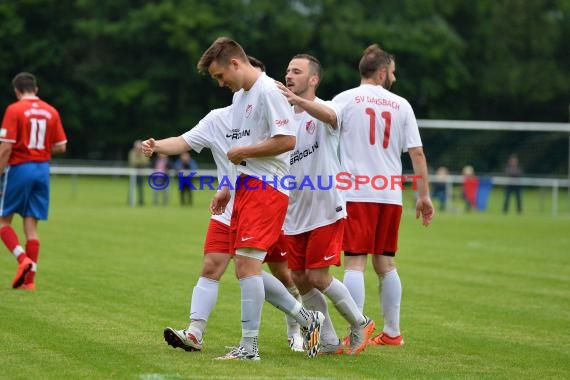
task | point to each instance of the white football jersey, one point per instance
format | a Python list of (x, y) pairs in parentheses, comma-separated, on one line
[(314, 200), (214, 131), (377, 126), (258, 114)]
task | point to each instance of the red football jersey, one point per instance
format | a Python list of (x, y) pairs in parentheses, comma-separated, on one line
[(33, 126)]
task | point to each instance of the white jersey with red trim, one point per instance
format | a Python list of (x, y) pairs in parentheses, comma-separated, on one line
[(214, 131), (258, 114), (314, 200), (377, 126)]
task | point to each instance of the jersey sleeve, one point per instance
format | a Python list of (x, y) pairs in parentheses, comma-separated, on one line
[(9, 129), (278, 113), (340, 101), (59, 137), (202, 135), (196, 137), (411, 129)]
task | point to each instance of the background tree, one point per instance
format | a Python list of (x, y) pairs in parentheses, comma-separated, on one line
[(126, 69)]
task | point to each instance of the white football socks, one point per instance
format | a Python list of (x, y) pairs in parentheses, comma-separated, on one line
[(315, 300), (204, 298), (277, 294), (252, 298), (390, 298), (354, 282), (343, 302), (293, 327)]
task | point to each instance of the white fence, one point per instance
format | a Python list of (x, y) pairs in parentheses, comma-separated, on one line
[(553, 183), (117, 171)]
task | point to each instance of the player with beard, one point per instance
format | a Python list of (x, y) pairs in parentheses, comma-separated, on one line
[(314, 223), (377, 127)]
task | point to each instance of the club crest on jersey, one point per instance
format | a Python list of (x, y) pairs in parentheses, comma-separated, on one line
[(310, 127), (248, 110)]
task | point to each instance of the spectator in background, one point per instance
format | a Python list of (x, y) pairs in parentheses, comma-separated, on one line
[(138, 160), (185, 163), (470, 185), (162, 164), (440, 186), (31, 131), (513, 170)]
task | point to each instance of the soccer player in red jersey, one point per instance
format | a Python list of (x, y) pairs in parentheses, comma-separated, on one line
[(31, 131)]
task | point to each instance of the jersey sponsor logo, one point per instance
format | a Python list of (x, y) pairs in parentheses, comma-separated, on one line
[(327, 258), (281, 122), (247, 238), (299, 155), (236, 134), (310, 127), (248, 110), (338, 209)]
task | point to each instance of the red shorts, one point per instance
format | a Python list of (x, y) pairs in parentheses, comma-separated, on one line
[(258, 214), (372, 228), (277, 253), (217, 238), (319, 248)]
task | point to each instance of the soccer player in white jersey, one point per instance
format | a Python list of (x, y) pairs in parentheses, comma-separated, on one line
[(214, 132), (377, 127), (314, 223), (262, 119)]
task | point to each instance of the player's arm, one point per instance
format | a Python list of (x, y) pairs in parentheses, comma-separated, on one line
[(170, 146), (319, 111), (60, 144), (5, 152), (424, 206), (316, 110), (59, 148), (271, 147)]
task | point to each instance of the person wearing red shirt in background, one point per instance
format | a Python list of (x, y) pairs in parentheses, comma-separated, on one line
[(31, 131)]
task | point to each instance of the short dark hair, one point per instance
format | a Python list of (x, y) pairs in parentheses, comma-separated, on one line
[(222, 50), (373, 58), (256, 63), (25, 82), (314, 65)]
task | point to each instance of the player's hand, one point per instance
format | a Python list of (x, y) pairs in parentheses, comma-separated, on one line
[(220, 201), (147, 147), (424, 208), (291, 97), (236, 155)]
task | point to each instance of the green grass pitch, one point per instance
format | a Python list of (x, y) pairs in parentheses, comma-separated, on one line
[(485, 296)]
